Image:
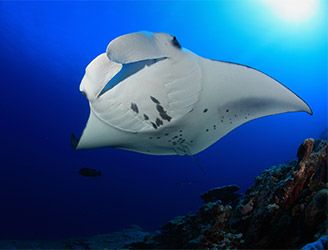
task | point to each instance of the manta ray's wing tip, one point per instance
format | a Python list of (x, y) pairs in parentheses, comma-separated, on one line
[(309, 111), (306, 107)]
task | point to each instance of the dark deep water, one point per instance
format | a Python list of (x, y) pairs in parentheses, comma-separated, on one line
[(44, 49)]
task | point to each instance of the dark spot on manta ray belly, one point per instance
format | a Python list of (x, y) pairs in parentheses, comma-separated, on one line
[(165, 116), (146, 117), (159, 122), (160, 108), (154, 100), (154, 125), (134, 107), (205, 110), (163, 113)]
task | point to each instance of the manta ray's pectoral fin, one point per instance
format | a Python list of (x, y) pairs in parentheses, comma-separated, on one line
[(259, 94), (245, 94), (98, 134), (240, 94)]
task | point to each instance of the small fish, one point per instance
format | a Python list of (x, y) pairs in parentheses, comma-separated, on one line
[(89, 172)]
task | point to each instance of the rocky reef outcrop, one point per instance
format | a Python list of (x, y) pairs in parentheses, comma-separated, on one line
[(287, 207), (226, 194)]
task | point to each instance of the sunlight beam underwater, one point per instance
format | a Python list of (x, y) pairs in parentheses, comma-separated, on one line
[(294, 11), (149, 95)]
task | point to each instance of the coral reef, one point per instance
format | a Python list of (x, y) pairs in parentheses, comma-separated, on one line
[(320, 244), (287, 207)]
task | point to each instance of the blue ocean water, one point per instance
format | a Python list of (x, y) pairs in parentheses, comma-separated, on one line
[(44, 49)]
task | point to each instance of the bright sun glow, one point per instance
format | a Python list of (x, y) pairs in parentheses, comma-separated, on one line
[(294, 10)]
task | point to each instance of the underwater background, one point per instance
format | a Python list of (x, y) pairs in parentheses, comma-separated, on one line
[(44, 49)]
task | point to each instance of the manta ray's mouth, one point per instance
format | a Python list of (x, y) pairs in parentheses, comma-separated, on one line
[(128, 70)]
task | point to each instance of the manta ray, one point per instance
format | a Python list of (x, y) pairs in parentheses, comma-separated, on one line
[(148, 94)]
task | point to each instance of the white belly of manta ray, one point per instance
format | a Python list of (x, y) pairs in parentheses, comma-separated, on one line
[(149, 95)]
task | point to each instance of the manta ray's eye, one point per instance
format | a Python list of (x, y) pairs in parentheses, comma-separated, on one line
[(176, 43)]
